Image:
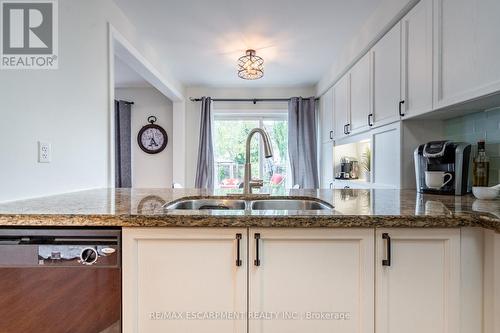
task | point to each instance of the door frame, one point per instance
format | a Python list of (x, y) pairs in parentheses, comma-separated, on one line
[(120, 47)]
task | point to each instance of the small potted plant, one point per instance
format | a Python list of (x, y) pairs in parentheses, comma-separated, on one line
[(365, 163)]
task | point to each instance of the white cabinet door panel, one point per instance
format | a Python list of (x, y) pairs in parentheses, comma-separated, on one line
[(468, 49), (305, 272), (386, 57), (417, 59), (167, 271), (360, 94), (326, 116), (386, 170), (326, 165), (341, 100), (420, 290)]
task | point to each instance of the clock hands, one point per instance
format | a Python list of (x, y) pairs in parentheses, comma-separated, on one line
[(152, 142)]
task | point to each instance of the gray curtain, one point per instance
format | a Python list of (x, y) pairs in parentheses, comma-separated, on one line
[(302, 147), (123, 159), (205, 165)]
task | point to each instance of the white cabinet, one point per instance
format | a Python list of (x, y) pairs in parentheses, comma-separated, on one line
[(386, 157), (326, 117), (467, 46), (341, 100), (306, 280), (326, 173), (386, 58), (418, 289), (180, 272), (417, 29), (492, 282), (305, 273), (309, 280), (360, 96)]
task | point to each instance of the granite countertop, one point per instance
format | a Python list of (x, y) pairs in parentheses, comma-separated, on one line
[(353, 208)]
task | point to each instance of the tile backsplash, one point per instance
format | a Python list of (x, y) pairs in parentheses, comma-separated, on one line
[(478, 126)]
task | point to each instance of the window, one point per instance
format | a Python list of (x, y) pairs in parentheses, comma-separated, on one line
[(230, 135)]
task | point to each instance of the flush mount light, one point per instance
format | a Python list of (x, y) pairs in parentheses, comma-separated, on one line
[(250, 66)]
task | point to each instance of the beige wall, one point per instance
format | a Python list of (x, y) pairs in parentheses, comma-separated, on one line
[(68, 107), (149, 170)]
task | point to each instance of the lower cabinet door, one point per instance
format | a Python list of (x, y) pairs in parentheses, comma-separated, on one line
[(417, 280), (311, 280), (184, 280)]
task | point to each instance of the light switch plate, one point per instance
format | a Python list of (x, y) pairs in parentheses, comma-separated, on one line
[(44, 152)]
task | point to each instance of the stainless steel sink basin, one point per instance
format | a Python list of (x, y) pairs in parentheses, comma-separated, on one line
[(289, 204), (248, 204), (213, 204)]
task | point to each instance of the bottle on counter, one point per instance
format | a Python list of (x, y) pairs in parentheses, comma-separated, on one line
[(481, 166)]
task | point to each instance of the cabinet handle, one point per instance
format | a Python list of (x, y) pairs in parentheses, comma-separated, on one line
[(331, 185), (347, 128), (387, 262), (331, 135), (370, 116), (238, 254), (401, 114), (257, 259)]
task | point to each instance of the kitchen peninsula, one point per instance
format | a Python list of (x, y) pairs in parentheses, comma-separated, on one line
[(371, 263)]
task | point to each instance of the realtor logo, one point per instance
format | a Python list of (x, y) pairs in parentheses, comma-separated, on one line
[(29, 34)]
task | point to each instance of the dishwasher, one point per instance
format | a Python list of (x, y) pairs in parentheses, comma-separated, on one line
[(60, 280)]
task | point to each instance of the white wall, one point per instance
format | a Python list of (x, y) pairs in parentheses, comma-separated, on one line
[(193, 112), (386, 14), (67, 107), (149, 170)]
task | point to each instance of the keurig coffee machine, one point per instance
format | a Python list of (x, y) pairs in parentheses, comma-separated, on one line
[(442, 167)]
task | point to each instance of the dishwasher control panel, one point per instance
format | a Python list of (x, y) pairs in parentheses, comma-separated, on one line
[(60, 247), (99, 255)]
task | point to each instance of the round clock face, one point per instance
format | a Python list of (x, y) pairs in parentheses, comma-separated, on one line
[(152, 139)]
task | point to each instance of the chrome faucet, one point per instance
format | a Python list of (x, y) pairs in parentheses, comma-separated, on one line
[(268, 152)]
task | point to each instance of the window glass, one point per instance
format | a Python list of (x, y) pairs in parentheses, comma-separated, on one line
[(230, 135)]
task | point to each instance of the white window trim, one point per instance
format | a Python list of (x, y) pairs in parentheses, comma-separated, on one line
[(257, 115)]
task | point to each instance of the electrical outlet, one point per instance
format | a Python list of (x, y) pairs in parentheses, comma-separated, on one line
[(44, 152)]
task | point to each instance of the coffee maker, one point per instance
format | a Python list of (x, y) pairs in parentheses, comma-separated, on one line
[(349, 168), (443, 156)]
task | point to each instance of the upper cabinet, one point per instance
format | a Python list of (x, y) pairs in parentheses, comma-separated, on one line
[(467, 44), (341, 100), (352, 100), (417, 27), (326, 117), (442, 52), (386, 58), (361, 106)]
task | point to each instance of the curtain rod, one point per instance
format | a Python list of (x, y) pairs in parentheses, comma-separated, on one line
[(253, 100)]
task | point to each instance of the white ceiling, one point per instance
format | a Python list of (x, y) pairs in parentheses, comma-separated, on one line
[(202, 39), (126, 77)]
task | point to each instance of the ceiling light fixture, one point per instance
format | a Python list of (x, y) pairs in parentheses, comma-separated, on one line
[(250, 66)]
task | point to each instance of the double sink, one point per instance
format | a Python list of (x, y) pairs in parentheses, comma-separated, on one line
[(249, 204)]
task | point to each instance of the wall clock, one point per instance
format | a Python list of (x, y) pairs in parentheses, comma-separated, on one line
[(152, 138)]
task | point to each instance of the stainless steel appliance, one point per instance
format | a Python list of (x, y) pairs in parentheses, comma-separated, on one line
[(60, 280), (349, 168), (447, 157)]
